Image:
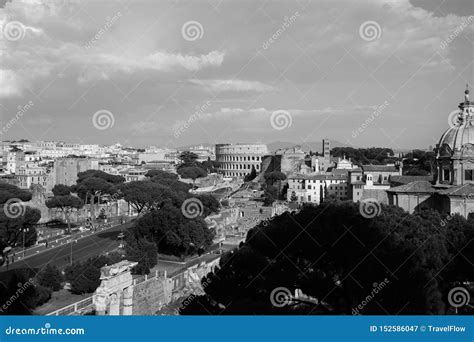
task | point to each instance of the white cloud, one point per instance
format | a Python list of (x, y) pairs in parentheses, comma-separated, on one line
[(10, 84), (233, 85)]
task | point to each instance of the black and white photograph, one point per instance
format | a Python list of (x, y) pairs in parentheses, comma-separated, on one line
[(237, 158)]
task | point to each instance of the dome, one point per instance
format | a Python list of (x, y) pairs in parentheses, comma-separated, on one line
[(459, 138)]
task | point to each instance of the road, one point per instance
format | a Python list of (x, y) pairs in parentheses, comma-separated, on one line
[(88, 247), (84, 248)]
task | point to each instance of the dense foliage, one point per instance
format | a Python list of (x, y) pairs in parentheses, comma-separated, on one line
[(336, 256), (50, 277), (17, 220), (160, 201), (84, 277), (419, 163), (65, 202), (364, 156), (20, 294)]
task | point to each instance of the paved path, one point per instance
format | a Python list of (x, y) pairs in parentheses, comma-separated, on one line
[(83, 248)]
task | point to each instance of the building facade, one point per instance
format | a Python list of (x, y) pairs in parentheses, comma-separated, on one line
[(237, 160), (315, 188), (452, 190), (66, 169)]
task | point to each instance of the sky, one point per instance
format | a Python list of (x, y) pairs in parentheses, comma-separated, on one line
[(175, 73)]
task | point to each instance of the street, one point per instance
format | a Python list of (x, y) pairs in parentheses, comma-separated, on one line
[(84, 248)]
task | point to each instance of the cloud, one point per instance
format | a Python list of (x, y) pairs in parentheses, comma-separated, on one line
[(259, 113), (233, 85), (10, 84)]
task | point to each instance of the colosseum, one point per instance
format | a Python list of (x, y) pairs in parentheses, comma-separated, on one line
[(236, 160)]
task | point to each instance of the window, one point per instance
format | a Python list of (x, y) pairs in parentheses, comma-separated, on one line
[(446, 174), (309, 198), (469, 175)]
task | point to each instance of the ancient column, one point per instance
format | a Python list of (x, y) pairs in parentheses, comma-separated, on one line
[(128, 301), (114, 304)]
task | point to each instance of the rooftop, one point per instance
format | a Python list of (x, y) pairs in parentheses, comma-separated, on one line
[(379, 168), (415, 187), (465, 190), (401, 180)]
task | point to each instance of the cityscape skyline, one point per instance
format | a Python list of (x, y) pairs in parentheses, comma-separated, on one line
[(395, 66), (238, 158)]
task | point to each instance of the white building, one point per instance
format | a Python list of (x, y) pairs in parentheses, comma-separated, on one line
[(314, 188)]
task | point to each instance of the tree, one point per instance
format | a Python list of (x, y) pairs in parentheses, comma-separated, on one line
[(159, 174), (142, 251), (211, 166), (251, 176), (65, 204), (270, 195), (274, 176), (188, 159), (50, 277), (17, 220), (8, 191), (112, 179), (19, 294), (411, 255), (91, 185), (84, 277), (145, 195), (210, 204), (192, 172), (172, 232), (365, 156), (174, 184), (61, 190)]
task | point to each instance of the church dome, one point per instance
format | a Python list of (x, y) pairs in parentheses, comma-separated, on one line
[(458, 140)]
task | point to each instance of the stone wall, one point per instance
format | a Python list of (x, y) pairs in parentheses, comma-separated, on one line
[(147, 294), (151, 295)]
